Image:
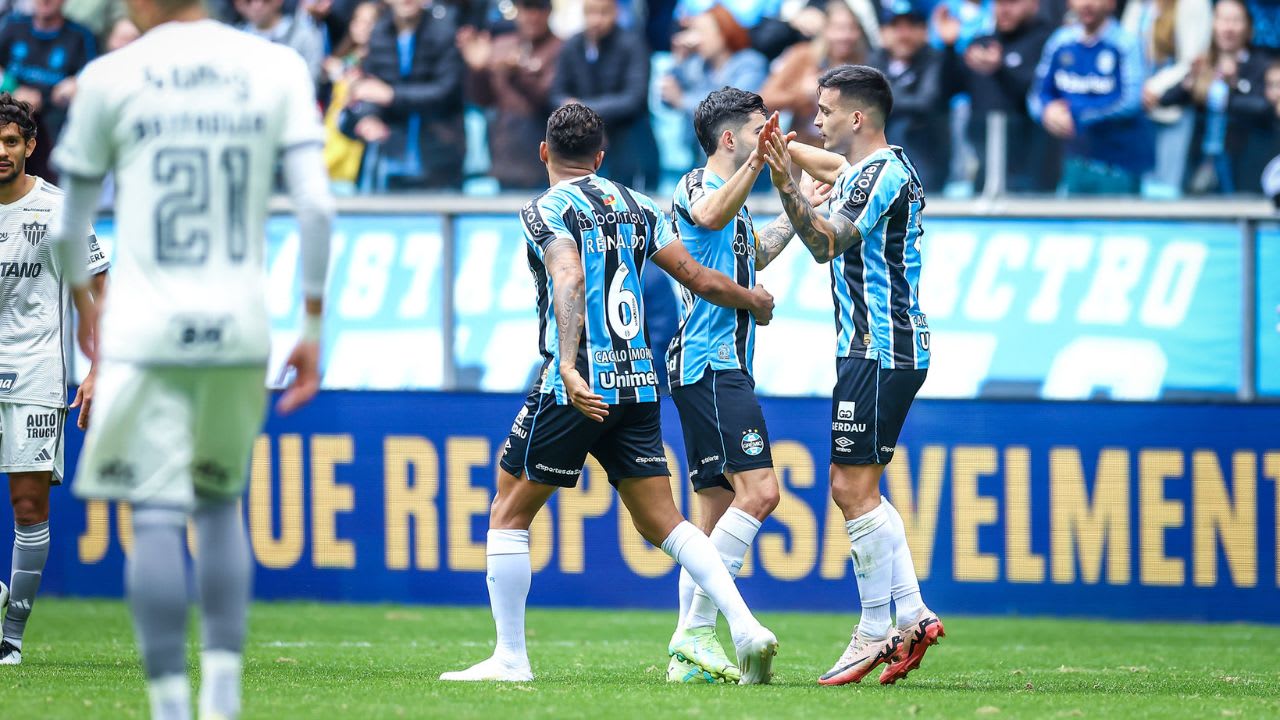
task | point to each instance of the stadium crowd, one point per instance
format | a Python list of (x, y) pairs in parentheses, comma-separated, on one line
[(1160, 97)]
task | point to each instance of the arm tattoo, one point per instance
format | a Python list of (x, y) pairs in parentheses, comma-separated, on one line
[(570, 301), (824, 238), (772, 241)]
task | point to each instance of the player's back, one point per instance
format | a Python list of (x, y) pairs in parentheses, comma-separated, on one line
[(875, 283), (191, 118), (617, 230), (710, 335)]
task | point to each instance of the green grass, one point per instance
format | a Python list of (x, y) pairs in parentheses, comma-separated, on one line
[(377, 661)]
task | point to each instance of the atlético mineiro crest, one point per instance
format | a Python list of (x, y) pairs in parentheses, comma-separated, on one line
[(35, 232)]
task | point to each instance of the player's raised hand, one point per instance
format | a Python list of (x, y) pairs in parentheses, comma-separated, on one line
[(304, 361), (84, 398), (770, 127), (779, 158), (816, 192), (763, 309), (579, 392)]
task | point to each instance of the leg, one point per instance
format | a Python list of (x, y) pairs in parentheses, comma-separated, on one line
[(156, 585), (224, 577), (755, 495), (856, 491), (509, 576), (712, 504), (29, 495)]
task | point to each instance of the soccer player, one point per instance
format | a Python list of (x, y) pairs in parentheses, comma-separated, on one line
[(589, 240), (872, 242), (34, 315), (191, 119), (709, 361)]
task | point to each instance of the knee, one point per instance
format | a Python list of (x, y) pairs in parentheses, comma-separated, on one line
[(29, 510), (855, 492), (760, 500)]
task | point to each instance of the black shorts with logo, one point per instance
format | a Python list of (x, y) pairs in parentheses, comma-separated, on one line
[(723, 425), (868, 407), (549, 442)]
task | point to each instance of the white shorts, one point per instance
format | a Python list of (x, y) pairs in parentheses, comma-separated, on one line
[(166, 436), (31, 438)]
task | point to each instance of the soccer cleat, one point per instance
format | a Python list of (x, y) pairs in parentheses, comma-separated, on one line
[(701, 648), (681, 671), (755, 656), (493, 669), (862, 655), (10, 654), (916, 638)]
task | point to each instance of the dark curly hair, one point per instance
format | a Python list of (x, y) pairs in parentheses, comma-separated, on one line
[(575, 132), (19, 113)]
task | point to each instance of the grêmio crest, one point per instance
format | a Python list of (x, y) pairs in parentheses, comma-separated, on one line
[(35, 232)]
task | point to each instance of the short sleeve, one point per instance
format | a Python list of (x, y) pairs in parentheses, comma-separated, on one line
[(664, 232), (86, 147), (873, 191), (542, 224), (695, 188), (302, 123), (98, 262)]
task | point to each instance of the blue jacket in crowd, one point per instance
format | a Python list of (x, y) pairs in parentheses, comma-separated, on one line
[(1101, 80)]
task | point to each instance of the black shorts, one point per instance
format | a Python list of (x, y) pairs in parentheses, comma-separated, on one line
[(868, 407), (723, 427), (549, 442)]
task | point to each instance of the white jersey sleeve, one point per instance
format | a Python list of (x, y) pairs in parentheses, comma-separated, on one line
[(302, 122)]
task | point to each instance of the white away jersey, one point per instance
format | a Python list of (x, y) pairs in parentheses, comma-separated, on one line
[(191, 119), (35, 305)]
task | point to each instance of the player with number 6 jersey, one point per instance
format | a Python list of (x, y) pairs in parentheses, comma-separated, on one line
[(192, 119)]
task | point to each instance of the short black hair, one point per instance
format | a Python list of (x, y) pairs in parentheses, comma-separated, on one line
[(726, 106), (861, 83), (575, 132), (19, 113)]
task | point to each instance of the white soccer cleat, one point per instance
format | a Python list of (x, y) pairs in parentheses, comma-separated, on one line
[(10, 654), (4, 597), (755, 657), (492, 670)]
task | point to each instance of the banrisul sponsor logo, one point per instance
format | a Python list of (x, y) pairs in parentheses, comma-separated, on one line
[(752, 443), (7, 381)]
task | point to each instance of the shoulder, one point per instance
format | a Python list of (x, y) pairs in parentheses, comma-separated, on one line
[(691, 181), (1064, 35), (888, 172), (750, 59), (81, 33), (1122, 39)]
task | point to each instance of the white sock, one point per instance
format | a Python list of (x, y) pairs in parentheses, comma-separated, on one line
[(732, 536), (687, 588), (906, 587), (871, 544), (510, 575), (220, 683), (170, 697), (694, 551)]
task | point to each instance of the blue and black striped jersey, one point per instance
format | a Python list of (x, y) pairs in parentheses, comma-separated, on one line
[(616, 230), (876, 282), (711, 336)]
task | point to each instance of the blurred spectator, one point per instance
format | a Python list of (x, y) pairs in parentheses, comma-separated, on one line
[(342, 154), (1227, 86), (955, 23), (607, 69), (1088, 93), (41, 55), (333, 17), (997, 72), (1171, 33), (267, 19), (800, 21), (512, 74), (1266, 25), (97, 15), (122, 32), (410, 100), (746, 13), (713, 52), (918, 121), (792, 85)]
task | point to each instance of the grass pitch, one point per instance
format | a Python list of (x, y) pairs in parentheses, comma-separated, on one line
[(378, 661)]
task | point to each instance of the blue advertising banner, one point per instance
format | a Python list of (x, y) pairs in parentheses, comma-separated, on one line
[(1269, 310), (1125, 510), (1057, 309)]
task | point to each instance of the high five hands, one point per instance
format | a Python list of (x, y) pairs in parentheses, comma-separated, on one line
[(772, 146)]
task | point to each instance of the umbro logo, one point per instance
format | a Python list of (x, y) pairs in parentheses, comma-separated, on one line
[(844, 442)]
